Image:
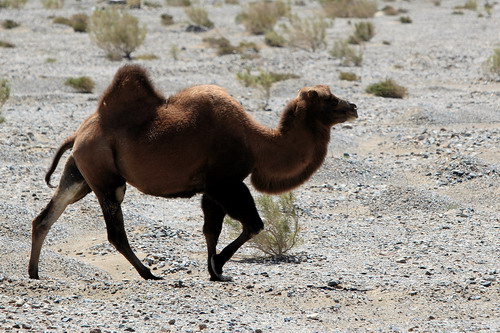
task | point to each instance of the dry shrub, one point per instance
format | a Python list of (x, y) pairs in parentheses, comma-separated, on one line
[(78, 22), (117, 32), (405, 19), (493, 62), (82, 84), (348, 76), (9, 24), (363, 32), (281, 225), (179, 3), (260, 17), (349, 8), (274, 39), (6, 45), (387, 88), (224, 47), (4, 94), (53, 4), (347, 54), (167, 19), (199, 16), (263, 81), (17, 4), (469, 5), (307, 33)]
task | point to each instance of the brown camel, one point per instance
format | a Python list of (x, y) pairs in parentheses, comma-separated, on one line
[(198, 141)]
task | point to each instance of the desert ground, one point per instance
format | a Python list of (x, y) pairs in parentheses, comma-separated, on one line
[(400, 226)]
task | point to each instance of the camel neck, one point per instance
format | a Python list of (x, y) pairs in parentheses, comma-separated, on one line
[(287, 156)]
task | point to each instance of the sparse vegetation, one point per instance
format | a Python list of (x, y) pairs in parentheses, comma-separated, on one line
[(260, 17), (179, 3), (53, 4), (9, 24), (387, 88), (82, 84), (174, 51), (146, 56), (199, 16), (224, 47), (6, 45), (78, 22), (493, 62), (274, 39), (50, 60), (363, 32), (349, 55), (348, 76), (307, 33), (405, 19), (281, 230), (263, 81), (4, 95), (167, 19), (469, 5), (16, 4), (116, 32), (349, 8)]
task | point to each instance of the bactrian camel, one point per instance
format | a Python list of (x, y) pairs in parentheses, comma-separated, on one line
[(199, 140)]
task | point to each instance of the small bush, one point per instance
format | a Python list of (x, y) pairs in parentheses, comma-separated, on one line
[(469, 5), (281, 227), (9, 24), (387, 88), (224, 47), (493, 62), (82, 84), (199, 16), (4, 95), (167, 19), (307, 33), (117, 32), (78, 22), (349, 55), (363, 32), (179, 3), (16, 4), (260, 17), (405, 19), (53, 4), (50, 60), (348, 76), (349, 8), (151, 4), (6, 45), (263, 81), (174, 51), (273, 39)]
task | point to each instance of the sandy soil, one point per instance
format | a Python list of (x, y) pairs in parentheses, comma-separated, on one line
[(400, 226)]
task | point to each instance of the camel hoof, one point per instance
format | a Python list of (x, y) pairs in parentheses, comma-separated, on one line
[(221, 278), (216, 274)]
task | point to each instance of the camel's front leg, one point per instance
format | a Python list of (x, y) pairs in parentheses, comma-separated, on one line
[(214, 217), (237, 202)]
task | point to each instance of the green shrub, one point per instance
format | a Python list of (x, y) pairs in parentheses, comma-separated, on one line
[(493, 62), (405, 19), (349, 8), (273, 39), (50, 60), (199, 16), (281, 229), (349, 55), (363, 32), (261, 16), (307, 33), (53, 4), (9, 24), (263, 81), (348, 76), (4, 95), (387, 88), (116, 32), (82, 84), (167, 19)]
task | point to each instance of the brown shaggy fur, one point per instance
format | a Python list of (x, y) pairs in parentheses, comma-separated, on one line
[(198, 141)]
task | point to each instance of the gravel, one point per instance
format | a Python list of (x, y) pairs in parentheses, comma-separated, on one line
[(400, 227)]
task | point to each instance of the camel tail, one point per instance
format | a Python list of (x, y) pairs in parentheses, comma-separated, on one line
[(67, 144)]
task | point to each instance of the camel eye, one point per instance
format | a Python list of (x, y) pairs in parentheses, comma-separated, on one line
[(333, 100)]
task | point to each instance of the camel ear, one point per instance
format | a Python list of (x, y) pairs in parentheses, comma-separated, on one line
[(310, 95)]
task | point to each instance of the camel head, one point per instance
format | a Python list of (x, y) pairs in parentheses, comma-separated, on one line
[(321, 105)]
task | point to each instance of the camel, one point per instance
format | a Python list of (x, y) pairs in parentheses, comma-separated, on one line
[(199, 140)]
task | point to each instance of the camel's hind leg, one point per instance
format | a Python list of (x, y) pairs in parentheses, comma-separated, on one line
[(72, 188), (237, 202), (110, 201)]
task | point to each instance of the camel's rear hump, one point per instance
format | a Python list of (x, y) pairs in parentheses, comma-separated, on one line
[(130, 100)]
